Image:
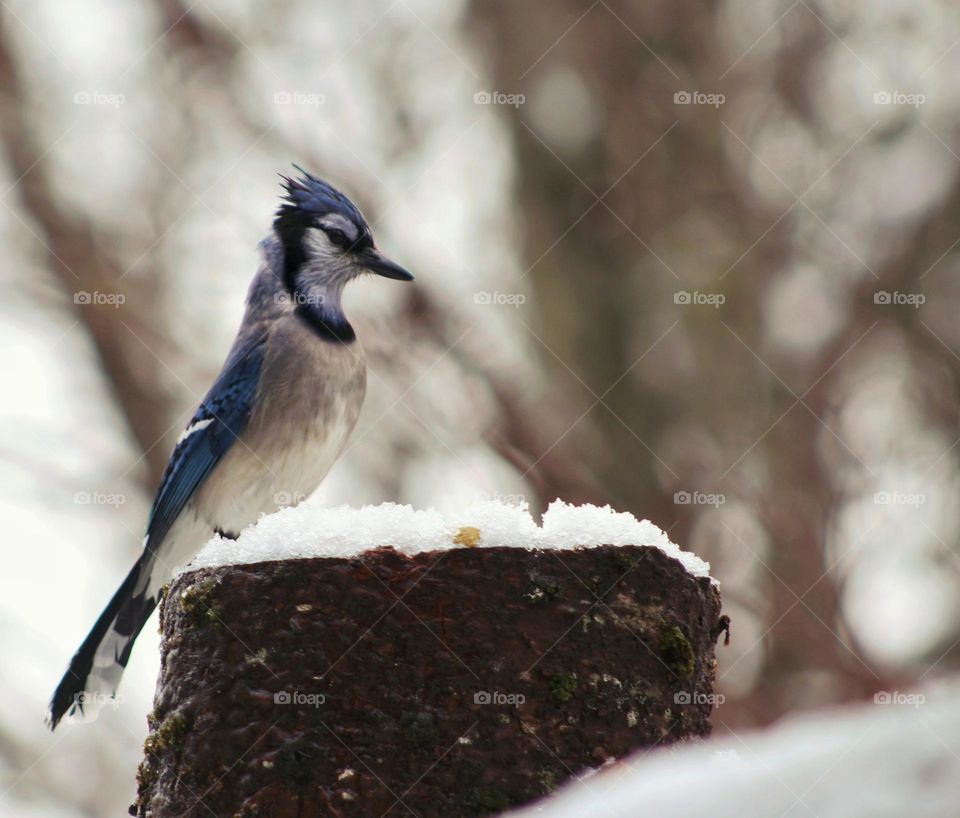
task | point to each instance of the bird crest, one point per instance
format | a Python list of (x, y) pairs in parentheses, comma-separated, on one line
[(308, 195)]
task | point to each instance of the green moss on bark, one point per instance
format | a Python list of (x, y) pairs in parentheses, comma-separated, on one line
[(677, 652)]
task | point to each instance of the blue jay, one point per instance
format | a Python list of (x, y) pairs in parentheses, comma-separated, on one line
[(271, 426)]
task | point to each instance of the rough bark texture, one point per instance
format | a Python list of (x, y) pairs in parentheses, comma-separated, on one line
[(449, 683)]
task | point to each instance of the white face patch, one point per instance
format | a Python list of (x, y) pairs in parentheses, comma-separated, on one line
[(334, 221), (326, 270), (318, 246)]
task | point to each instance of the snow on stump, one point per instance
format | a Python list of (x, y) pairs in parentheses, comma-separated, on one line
[(340, 662)]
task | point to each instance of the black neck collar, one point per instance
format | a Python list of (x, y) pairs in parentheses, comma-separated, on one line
[(329, 325)]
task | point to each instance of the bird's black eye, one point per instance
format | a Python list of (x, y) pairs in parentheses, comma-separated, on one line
[(338, 237)]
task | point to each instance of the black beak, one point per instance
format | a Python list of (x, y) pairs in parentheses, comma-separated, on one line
[(376, 262)]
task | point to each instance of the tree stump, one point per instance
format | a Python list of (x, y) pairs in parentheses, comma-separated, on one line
[(449, 683)]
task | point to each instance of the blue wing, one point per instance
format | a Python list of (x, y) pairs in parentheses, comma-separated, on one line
[(217, 423)]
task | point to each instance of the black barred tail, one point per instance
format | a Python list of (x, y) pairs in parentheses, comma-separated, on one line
[(95, 669)]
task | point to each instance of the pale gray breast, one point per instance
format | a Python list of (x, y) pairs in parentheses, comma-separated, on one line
[(304, 379), (308, 401)]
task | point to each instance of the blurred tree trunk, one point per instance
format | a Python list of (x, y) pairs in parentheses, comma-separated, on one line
[(85, 263), (684, 394)]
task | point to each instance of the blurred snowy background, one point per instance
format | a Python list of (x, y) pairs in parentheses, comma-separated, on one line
[(696, 260)]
